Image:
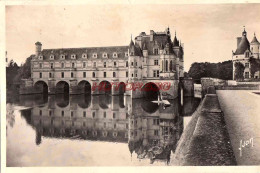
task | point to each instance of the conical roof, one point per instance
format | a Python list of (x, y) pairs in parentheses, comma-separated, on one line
[(254, 41), (243, 46)]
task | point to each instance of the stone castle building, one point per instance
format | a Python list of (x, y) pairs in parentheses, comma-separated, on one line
[(244, 51), (149, 59)]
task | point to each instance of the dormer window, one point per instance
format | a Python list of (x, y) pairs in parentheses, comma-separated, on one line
[(104, 55), (114, 55), (51, 57), (40, 57), (73, 56), (84, 55), (126, 54), (94, 55), (62, 56), (156, 51)]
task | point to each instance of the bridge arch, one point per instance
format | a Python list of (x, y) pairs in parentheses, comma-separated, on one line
[(84, 87), (121, 88), (41, 87), (105, 87), (150, 90), (62, 87)]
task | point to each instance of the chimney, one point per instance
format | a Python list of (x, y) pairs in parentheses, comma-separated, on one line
[(38, 48), (151, 35), (238, 41)]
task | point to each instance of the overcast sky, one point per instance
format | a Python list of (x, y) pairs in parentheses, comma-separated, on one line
[(208, 31)]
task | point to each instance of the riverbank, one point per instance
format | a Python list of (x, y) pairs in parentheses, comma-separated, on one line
[(206, 142)]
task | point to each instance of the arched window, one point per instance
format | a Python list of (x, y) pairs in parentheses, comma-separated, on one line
[(93, 74), (166, 65), (171, 68)]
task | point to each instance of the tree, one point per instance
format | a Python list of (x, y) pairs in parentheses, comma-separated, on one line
[(254, 66), (25, 70), (239, 71)]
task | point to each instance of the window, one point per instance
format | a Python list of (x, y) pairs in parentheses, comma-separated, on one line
[(247, 54), (114, 127), (84, 55), (105, 74), (126, 64), (84, 74), (105, 114), (40, 112), (126, 54), (105, 64), (246, 65), (114, 115), (51, 65), (73, 65), (94, 64), (84, 64), (71, 114), (246, 75), (126, 74), (156, 52), (114, 74), (93, 74), (50, 75), (62, 74), (94, 55), (166, 65), (93, 114), (40, 75), (71, 74), (156, 121), (114, 64), (62, 65), (132, 64), (40, 65), (135, 74), (73, 56), (104, 55), (62, 113), (156, 73), (84, 113), (52, 57), (156, 132), (114, 55), (40, 57), (136, 64), (132, 74), (156, 62), (62, 56), (49, 112)]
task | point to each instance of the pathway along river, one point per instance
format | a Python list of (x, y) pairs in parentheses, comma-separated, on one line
[(85, 130)]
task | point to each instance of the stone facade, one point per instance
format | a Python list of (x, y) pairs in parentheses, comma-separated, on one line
[(148, 59), (244, 51)]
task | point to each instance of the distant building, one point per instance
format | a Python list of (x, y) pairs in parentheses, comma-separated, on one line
[(148, 59), (244, 51)]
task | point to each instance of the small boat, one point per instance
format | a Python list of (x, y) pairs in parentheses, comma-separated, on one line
[(161, 101)]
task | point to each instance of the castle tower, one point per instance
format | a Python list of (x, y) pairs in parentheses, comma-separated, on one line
[(254, 47)]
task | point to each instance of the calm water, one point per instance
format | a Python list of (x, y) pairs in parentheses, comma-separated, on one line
[(86, 130)]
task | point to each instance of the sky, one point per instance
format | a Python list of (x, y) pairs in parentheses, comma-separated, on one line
[(208, 31)]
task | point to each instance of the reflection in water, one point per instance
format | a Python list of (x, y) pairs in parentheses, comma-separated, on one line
[(150, 130)]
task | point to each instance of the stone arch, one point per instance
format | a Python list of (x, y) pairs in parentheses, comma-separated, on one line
[(62, 87), (121, 88), (84, 87), (41, 87), (105, 87), (150, 90)]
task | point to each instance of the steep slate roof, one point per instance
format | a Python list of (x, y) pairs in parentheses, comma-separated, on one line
[(254, 41), (120, 50), (243, 46)]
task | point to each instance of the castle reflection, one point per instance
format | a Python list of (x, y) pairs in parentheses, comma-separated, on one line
[(151, 130)]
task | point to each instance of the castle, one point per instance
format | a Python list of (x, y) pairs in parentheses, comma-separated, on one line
[(244, 51), (149, 59)]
